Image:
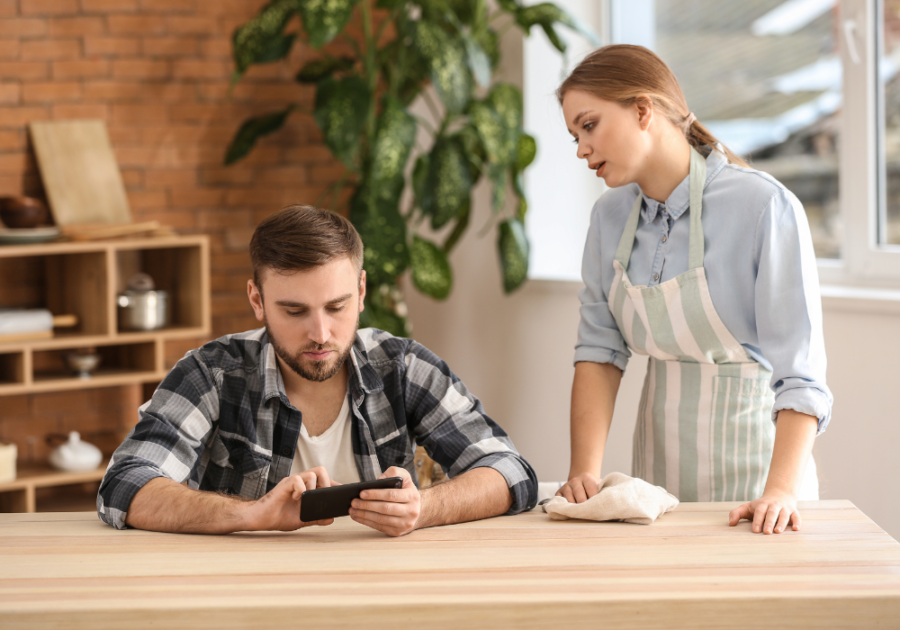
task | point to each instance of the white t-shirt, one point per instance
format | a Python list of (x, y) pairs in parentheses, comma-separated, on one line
[(332, 450)]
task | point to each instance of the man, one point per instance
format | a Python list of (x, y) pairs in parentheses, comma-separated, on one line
[(242, 426)]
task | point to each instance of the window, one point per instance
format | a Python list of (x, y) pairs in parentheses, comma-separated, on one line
[(806, 90)]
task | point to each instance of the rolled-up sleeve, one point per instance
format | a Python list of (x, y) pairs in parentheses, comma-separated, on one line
[(167, 441), (599, 339), (789, 310), (452, 426)]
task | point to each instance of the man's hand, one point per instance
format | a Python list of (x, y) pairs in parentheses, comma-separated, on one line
[(580, 488), (279, 509), (394, 511), (770, 514)]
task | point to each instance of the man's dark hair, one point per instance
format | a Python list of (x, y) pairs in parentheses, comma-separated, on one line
[(298, 238)]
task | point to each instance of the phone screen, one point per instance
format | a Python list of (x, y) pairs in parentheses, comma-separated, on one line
[(334, 502)]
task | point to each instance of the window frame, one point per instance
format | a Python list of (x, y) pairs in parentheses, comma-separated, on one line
[(864, 261)]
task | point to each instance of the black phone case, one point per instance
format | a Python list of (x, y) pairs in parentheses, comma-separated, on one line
[(322, 503)]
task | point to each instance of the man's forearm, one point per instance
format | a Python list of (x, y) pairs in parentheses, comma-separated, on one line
[(163, 505), (476, 494)]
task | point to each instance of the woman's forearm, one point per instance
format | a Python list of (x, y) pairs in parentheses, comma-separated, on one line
[(794, 436), (594, 392)]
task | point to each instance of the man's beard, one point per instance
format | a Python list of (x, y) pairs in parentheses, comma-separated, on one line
[(320, 370)]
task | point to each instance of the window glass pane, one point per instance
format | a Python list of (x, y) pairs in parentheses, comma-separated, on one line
[(765, 77), (889, 64)]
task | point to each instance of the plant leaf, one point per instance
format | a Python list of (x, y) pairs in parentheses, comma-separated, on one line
[(316, 70), (494, 133), (381, 312), (510, 6), (251, 131), (341, 108), (526, 152), (545, 15), (473, 149), (431, 271), (260, 38), (498, 181), (446, 58), (420, 176), (489, 42), (479, 62), (449, 182), (512, 244), (506, 100), (383, 231), (324, 19), (393, 143)]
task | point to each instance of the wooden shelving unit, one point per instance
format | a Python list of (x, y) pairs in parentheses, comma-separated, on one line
[(84, 279), (21, 495)]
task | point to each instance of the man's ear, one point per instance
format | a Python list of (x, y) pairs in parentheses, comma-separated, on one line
[(362, 290), (644, 106), (256, 301)]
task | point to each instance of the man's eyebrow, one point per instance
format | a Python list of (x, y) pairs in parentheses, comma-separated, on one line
[(292, 304)]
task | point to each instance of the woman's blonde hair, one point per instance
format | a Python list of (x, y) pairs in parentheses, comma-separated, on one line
[(623, 73)]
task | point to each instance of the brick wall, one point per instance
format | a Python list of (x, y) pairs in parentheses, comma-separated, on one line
[(157, 71)]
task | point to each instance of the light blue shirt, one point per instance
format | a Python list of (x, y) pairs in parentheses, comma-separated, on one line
[(759, 262)]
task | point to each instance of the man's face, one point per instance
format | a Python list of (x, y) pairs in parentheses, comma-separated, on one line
[(311, 316)]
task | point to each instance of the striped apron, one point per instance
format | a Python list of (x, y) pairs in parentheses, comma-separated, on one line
[(704, 430)]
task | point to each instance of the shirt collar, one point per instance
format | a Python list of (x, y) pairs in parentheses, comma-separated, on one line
[(272, 383), (680, 199), (363, 377)]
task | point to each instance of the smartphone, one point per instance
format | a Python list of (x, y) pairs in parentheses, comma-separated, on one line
[(322, 503)]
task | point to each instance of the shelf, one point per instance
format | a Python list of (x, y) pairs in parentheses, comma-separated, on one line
[(62, 340), (45, 249), (20, 495)]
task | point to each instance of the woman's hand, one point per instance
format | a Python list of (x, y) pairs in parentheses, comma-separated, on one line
[(770, 514), (580, 488)]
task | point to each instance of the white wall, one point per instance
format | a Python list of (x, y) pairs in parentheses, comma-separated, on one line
[(515, 353)]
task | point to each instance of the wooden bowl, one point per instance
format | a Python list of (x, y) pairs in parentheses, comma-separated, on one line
[(23, 212)]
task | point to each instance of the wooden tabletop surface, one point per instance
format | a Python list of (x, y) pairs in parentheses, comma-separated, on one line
[(687, 570)]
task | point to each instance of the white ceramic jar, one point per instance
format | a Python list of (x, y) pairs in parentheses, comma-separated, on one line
[(75, 455)]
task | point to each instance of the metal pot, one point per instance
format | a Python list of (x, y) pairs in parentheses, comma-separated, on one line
[(143, 310)]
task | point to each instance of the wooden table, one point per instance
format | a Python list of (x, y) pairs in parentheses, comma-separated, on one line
[(688, 570)]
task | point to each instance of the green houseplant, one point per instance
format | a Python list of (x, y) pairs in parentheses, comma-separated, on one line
[(361, 106)]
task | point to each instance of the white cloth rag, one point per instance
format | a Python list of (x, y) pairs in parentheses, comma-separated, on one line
[(621, 498)]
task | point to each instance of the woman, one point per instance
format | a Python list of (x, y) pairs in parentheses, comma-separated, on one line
[(727, 307)]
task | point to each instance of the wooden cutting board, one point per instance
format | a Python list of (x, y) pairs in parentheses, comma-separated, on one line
[(80, 172)]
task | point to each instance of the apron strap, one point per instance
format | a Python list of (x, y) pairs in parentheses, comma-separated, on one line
[(626, 243), (695, 252), (698, 178)]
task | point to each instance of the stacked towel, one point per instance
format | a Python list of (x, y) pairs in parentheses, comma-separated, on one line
[(621, 498), (15, 321)]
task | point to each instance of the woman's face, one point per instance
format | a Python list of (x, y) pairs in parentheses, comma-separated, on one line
[(610, 137)]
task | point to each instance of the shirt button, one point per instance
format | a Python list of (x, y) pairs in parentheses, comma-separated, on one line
[(656, 276), (286, 451), (665, 238)]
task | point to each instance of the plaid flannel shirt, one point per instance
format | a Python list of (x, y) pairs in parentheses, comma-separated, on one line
[(221, 421)]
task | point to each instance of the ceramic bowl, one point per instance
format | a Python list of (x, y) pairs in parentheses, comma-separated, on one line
[(23, 212), (83, 363)]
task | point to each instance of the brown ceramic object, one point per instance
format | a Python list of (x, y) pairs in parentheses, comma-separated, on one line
[(23, 212)]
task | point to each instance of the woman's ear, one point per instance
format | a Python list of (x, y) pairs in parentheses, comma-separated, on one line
[(644, 107)]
